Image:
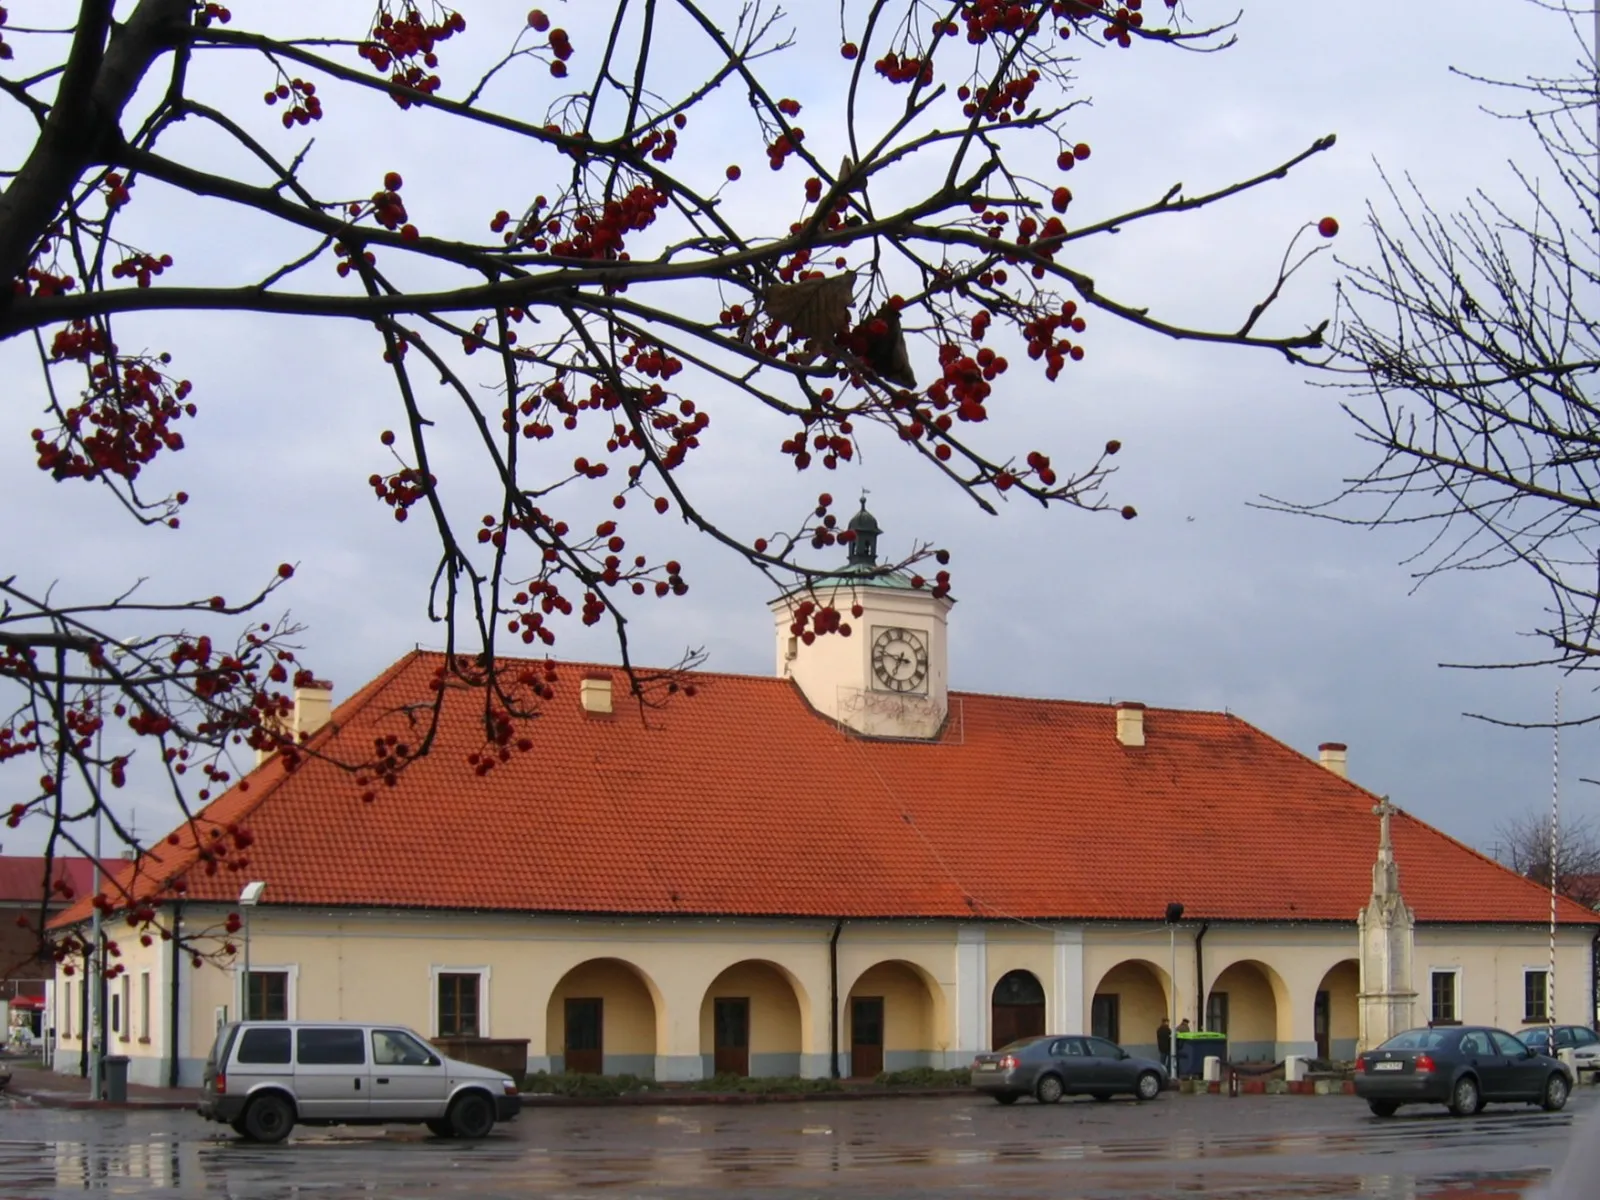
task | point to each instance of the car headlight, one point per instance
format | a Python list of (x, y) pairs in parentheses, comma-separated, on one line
[(509, 1087)]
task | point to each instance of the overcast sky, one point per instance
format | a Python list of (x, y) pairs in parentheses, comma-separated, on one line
[(1311, 631)]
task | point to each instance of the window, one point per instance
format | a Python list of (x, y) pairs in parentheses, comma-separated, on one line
[(116, 1013), (1475, 1042), (1535, 996), (1217, 1012), (458, 1004), (144, 1006), (1105, 1017), (265, 1046), (267, 996), (331, 1047), (1067, 1048), (1444, 996), (397, 1048), (122, 1013), (1507, 1045), (1583, 1037), (1100, 1048), (66, 1004)]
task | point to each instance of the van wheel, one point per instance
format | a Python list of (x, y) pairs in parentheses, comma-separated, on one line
[(471, 1116), (439, 1128), (268, 1119)]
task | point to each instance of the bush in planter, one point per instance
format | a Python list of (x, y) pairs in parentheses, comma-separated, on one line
[(924, 1077), (570, 1084)]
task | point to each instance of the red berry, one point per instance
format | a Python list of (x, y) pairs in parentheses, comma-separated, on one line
[(538, 21), (1327, 227), (849, 50), (733, 171), (392, 181), (285, 571), (387, 437)]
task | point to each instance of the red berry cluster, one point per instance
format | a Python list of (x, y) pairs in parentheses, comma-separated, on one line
[(37, 282), (387, 207), (813, 620), (402, 489), (904, 68), (305, 107), (561, 48), (117, 190), (128, 411), (5, 50), (347, 256), (408, 45), (203, 16), (1043, 342), (661, 145), (1001, 102), (539, 600), (965, 382), (783, 146), (601, 235), (985, 18), (1126, 17), (141, 267)]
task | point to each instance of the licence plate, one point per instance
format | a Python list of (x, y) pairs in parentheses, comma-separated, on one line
[(1389, 1066), (988, 1066)]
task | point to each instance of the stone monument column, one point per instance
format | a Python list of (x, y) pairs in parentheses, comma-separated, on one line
[(1387, 931)]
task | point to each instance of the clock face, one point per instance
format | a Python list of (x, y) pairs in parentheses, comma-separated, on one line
[(899, 659)]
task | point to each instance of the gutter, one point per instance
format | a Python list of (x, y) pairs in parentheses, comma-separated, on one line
[(833, 999), (172, 1014), (1594, 980), (1200, 976)]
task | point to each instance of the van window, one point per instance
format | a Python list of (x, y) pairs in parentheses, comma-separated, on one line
[(264, 1046), (219, 1046), (331, 1047), (397, 1048)]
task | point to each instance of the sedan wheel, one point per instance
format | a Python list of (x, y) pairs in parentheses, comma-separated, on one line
[(1383, 1108), (1049, 1089), (1464, 1099), (1006, 1097), (1555, 1094), (1149, 1086)]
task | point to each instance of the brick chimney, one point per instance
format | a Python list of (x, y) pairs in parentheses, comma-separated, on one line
[(1130, 723), (1333, 755), (594, 693)]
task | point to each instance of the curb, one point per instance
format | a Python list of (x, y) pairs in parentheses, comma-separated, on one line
[(687, 1098), (58, 1100)]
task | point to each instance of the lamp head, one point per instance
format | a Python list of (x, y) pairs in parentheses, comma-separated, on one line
[(250, 894), (1174, 913)]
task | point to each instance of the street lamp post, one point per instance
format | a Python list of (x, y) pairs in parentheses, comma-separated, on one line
[(249, 897)]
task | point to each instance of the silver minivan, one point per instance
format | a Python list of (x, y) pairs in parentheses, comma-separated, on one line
[(264, 1077)]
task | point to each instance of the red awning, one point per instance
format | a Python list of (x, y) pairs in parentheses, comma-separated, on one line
[(33, 1003)]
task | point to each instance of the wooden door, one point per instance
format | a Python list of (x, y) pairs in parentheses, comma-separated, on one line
[(1321, 1012), (866, 1036), (730, 1018), (1016, 1008), (585, 1042)]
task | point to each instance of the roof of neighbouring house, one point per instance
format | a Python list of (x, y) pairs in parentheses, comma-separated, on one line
[(741, 800), (22, 878)]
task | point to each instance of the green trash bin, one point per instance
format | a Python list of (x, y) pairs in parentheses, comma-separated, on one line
[(114, 1074), (1194, 1048)]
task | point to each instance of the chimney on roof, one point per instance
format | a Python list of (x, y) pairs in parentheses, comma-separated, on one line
[(1333, 755), (595, 694), (1130, 723), (312, 705)]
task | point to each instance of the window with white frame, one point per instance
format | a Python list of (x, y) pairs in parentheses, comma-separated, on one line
[(1535, 995), (1445, 997), (144, 1006), (66, 1009), (122, 1012), (268, 993), (460, 1001)]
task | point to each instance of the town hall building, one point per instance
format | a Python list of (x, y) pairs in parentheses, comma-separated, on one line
[(843, 868)]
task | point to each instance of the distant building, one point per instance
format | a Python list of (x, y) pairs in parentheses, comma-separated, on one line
[(23, 887), (847, 867)]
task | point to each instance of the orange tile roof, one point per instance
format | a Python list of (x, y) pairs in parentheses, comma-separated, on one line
[(741, 800)]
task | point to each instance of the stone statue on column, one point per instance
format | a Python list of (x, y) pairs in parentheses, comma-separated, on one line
[(1387, 932)]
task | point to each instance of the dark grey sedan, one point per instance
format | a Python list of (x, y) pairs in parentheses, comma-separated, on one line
[(1050, 1067), (1461, 1067)]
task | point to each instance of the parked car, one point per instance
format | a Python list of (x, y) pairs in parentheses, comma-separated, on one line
[(1580, 1039), (264, 1077), (1053, 1066), (1462, 1067)]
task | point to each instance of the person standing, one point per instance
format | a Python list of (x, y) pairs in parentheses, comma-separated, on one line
[(1164, 1043)]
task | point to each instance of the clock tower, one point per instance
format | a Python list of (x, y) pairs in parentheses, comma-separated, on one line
[(890, 677)]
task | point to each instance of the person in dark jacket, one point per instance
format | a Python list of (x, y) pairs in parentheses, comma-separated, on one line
[(1164, 1043)]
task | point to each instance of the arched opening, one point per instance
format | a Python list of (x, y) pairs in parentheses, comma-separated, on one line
[(1016, 1008), (1336, 1017), (750, 1022), (601, 1020), (1249, 1003), (890, 1018), (1128, 1005)]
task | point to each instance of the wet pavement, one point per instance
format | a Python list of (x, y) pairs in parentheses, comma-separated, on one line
[(1178, 1148)]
